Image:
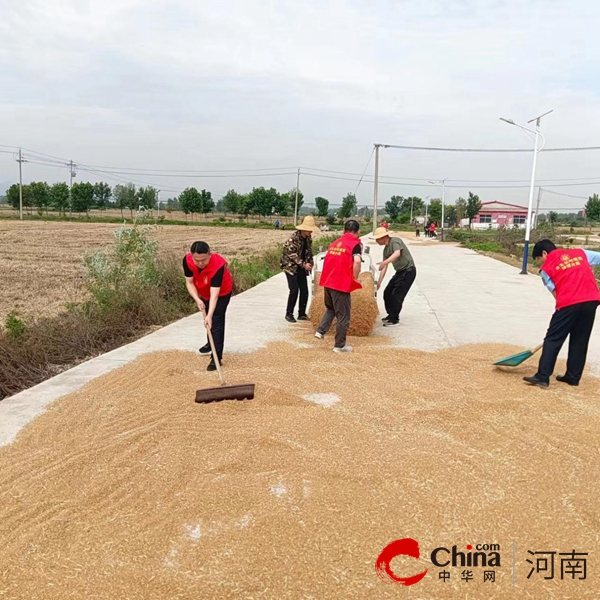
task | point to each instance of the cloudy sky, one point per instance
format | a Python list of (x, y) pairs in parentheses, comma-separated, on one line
[(242, 84)]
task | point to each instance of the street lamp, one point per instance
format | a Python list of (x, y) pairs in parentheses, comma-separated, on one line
[(443, 184), (535, 153)]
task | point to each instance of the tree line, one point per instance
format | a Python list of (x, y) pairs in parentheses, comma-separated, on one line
[(84, 196)]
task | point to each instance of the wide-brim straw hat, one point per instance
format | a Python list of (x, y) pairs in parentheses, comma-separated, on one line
[(380, 232), (308, 224)]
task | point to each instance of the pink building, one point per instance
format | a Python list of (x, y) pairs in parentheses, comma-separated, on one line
[(500, 214)]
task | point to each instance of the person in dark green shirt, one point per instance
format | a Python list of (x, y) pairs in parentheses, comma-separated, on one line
[(395, 253)]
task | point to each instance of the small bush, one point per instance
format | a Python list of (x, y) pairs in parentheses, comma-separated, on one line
[(15, 327)]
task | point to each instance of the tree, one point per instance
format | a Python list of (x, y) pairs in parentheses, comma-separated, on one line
[(13, 198), (146, 197), (348, 207), (553, 217), (207, 204), (592, 208), (82, 197), (262, 201), (290, 199), (322, 206), (125, 197), (190, 201), (461, 210), (413, 205), (393, 206), (435, 210), (59, 197), (232, 202), (473, 207), (40, 195), (102, 194), (450, 215)]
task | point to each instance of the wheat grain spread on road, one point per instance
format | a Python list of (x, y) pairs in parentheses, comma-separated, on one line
[(127, 489)]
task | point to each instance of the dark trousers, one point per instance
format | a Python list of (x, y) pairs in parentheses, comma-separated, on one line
[(396, 290), (218, 323), (577, 321), (297, 284), (339, 306)]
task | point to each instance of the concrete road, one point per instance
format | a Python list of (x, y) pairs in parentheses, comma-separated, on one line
[(459, 297)]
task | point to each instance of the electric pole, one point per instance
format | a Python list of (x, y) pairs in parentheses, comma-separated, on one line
[(376, 186), (73, 174), (297, 190), (537, 208), (20, 161)]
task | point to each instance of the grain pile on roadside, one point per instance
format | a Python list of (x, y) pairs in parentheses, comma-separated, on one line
[(364, 307), (128, 489)]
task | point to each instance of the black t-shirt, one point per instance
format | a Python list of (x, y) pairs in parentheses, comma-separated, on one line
[(357, 250), (217, 279)]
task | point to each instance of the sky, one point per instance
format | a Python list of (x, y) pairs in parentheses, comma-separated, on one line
[(241, 84)]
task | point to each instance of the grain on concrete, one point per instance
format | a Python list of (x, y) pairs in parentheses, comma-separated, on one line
[(128, 489)]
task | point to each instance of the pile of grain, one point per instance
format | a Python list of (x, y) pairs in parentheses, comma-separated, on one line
[(364, 307), (127, 489)]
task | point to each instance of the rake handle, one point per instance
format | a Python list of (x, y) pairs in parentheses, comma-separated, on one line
[(536, 349), (214, 352)]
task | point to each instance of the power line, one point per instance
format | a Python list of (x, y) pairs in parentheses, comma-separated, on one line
[(487, 150), (365, 170)]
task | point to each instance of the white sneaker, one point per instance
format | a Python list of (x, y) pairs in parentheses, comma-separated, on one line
[(344, 349), (319, 336)]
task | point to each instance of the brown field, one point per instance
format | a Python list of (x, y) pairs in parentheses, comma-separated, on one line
[(40, 262)]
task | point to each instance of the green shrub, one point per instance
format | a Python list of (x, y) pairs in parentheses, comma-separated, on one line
[(14, 327)]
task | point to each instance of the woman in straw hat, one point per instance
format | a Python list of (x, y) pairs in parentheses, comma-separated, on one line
[(297, 263)]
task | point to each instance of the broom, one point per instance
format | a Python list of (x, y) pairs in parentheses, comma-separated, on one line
[(223, 392)]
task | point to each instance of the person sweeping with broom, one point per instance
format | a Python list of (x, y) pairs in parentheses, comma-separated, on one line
[(341, 269), (210, 284), (569, 276)]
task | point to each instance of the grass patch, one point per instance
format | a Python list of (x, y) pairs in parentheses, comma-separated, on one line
[(132, 288)]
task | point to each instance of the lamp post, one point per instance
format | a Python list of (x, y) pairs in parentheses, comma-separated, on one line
[(535, 153), (443, 184)]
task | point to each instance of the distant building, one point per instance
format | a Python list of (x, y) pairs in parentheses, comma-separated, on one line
[(499, 214)]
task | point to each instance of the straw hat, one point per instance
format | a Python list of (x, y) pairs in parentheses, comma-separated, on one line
[(380, 232), (308, 224)]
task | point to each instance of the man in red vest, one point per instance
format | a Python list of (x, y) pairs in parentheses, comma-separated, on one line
[(339, 278), (570, 278), (210, 284)]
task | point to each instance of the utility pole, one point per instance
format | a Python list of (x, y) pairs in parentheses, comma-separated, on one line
[(20, 161), (443, 198), (412, 200), (73, 174), (158, 202), (376, 186), (537, 208), (297, 190)]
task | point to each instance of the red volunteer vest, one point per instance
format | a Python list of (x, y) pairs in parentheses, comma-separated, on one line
[(573, 277), (202, 277), (338, 266)]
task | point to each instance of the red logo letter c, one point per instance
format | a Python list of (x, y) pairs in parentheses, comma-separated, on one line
[(404, 547)]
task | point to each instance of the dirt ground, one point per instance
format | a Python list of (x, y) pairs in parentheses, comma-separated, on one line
[(128, 489), (40, 262)]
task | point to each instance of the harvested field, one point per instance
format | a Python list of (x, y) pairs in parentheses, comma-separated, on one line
[(364, 307), (40, 262), (128, 489)]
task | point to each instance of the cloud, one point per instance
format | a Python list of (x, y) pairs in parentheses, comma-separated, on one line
[(245, 83)]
